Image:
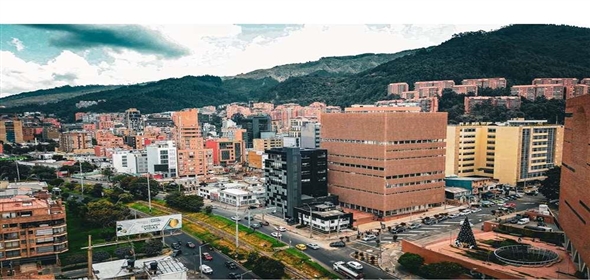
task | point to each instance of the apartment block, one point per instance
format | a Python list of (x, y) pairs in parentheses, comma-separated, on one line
[(397, 88), (513, 152), (192, 157), (574, 200), (581, 89), (11, 131), (75, 140), (268, 143), (79, 115), (531, 92), (107, 139), (133, 120), (291, 173), (33, 229), (567, 83), (310, 135), (254, 125), (492, 83), (130, 162), (427, 104), (409, 95), (256, 159), (226, 152), (162, 159), (465, 89), (432, 88), (385, 162), (510, 102)]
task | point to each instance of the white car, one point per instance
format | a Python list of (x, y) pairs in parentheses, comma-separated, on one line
[(313, 246), (206, 269), (355, 265), (476, 210), (369, 237), (453, 215), (236, 218), (470, 224), (276, 234), (465, 212), (282, 229)]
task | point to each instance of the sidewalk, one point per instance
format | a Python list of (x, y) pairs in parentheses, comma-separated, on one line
[(406, 219)]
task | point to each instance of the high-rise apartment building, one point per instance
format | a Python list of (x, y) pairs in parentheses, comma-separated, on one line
[(397, 88), (574, 198), (162, 159), (33, 229), (11, 131), (75, 140), (567, 83), (133, 120), (131, 162), (291, 173), (510, 102), (254, 125), (531, 92), (192, 157), (492, 83), (310, 135), (385, 162), (513, 152)]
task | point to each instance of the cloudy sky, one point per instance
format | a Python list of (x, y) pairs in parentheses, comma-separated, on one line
[(44, 56)]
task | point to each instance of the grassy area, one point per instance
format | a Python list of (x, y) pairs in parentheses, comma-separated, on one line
[(140, 207), (297, 253)]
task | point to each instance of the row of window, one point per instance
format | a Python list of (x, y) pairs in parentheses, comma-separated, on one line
[(382, 143), (414, 183), (357, 166), (414, 175)]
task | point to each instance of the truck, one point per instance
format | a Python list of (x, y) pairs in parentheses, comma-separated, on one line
[(343, 269)]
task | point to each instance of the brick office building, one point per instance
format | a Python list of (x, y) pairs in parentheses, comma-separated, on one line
[(385, 163), (574, 200)]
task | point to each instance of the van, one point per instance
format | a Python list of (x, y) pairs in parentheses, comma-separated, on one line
[(546, 229), (523, 221)]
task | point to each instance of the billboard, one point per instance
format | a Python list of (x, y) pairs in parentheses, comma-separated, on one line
[(147, 225)]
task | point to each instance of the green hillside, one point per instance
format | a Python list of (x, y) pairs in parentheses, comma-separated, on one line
[(50, 95)]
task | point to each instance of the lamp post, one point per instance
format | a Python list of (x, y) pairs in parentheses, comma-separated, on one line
[(242, 275), (81, 177), (201, 257), (237, 222), (310, 221), (149, 192)]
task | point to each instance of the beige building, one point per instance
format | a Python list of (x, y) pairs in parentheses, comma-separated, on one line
[(73, 141), (513, 152), (268, 143), (192, 155), (11, 131)]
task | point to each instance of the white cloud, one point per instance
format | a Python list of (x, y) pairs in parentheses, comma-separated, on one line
[(18, 44), (219, 50)]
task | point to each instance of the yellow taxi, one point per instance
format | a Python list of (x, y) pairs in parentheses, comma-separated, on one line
[(301, 247)]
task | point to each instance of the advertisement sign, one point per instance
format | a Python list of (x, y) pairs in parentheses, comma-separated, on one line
[(147, 225)]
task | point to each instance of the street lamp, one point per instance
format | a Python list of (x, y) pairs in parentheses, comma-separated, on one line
[(201, 257), (237, 222), (242, 275)]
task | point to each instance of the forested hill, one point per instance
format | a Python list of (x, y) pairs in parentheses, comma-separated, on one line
[(519, 53)]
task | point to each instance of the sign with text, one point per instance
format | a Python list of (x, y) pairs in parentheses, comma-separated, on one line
[(147, 225)]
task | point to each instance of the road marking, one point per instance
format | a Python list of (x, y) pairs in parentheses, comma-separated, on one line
[(456, 223), (419, 231), (406, 234), (429, 228), (441, 225)]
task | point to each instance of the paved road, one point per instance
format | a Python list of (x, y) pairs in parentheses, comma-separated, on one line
[(323, 255), (190, 257)]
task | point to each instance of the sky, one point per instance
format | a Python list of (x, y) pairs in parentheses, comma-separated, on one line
[(50, 55)]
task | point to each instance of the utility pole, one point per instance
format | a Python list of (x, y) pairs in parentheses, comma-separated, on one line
[(149, 193), (237, 222), (17, 171), (310, 221), (81, 177), (90, 274)]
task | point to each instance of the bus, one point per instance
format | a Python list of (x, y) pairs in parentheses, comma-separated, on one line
[(341, 268)]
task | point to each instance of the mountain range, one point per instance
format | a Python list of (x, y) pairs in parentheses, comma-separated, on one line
[(518, 53)]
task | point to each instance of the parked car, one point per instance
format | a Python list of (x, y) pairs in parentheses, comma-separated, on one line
[(355, 265), (276, 234), (231, 265), (370, 237), (176, 253), (313, 246), (414, 226), (338, 244), (175, 245), (205, 269), (207, 256), (233, 275), (476, 210), (301, 247), (454, 215), (523, 221), (191, 245), (465, 212)]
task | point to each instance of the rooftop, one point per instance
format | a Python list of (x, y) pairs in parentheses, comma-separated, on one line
[(455, 190), (235, 192), (118, 268), (468, 178)]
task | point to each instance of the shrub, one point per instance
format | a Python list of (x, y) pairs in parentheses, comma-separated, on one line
[(100, 256), (411, 262)]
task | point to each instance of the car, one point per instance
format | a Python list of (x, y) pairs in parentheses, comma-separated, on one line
[(476, 210), (466, 212), (276, 234), (414, 226), (233, 275), (470, 224), (301, 247), (281, 229), (250, 218), (236, 218), (313, 246), (452, 216), (338, 244), (190, 245), (265, 223), (205, 269), (176, 253), (207, 256), (255, 225), (355, 265), (370, 237), (397, 230), (175, 246), (231, 265), (252, 207)]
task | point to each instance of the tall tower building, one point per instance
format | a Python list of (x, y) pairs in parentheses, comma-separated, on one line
[(574, 196), (192, 156), (11, 131), (133, 120), (385, 162)]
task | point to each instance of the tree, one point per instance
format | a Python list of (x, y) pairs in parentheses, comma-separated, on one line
[(180, 201), (152, 247), (137, 186), (107, 172), (268, 268), (96, 190), (466, 234), (65, 195), (103, 213), (56, 182), (442, 270), (57, 157), (412, 262), (550, 186), (208, 209)]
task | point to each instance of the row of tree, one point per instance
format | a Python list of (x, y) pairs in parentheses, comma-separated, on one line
[(180, 201), (414, 263)]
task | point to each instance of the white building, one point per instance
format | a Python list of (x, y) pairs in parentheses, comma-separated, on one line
[(162, 159), (156, 268), (310, 136), (292, 142), (130, 162), (230, 196), (209, 192), (326, 218)]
